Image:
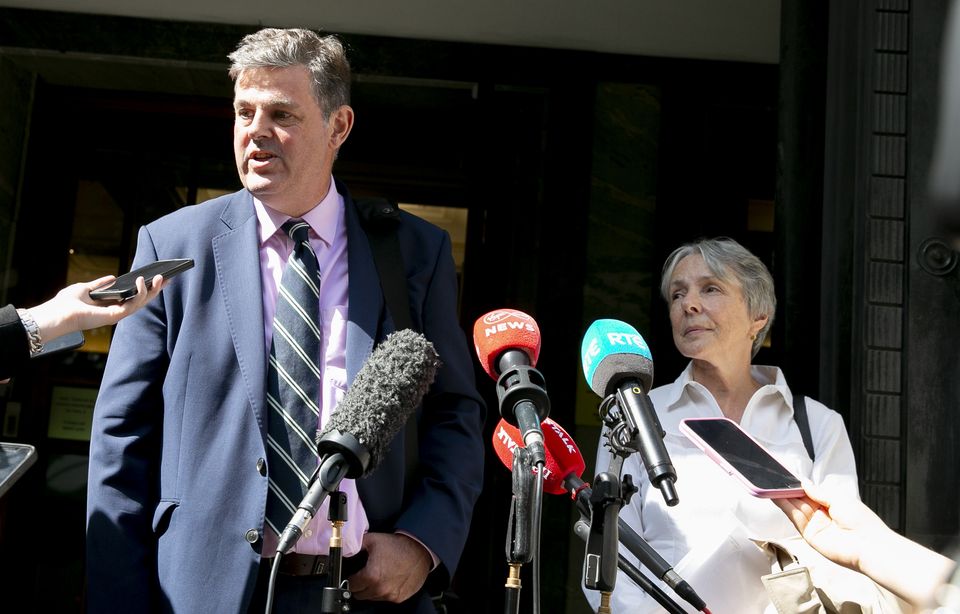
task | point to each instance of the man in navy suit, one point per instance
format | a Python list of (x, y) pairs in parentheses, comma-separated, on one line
[(178, 471)]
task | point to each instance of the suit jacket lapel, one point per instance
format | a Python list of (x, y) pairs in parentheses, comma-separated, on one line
[(366, 297), (237, 257)]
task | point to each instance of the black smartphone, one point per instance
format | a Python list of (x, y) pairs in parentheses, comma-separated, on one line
[(742, 456), (70, 341), (15, 459), (125, 286)]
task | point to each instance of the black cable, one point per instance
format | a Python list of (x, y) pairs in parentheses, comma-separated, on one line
[(648, 586), (271, 584), (535, 537)]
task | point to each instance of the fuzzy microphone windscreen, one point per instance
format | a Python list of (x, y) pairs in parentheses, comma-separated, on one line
[(387, 389)]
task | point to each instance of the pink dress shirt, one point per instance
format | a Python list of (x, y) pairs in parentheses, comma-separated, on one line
[(328, 238)]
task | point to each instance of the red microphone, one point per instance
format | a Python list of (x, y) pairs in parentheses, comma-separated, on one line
[(507, 342), (562, 468), (501, 330), (563, 458)]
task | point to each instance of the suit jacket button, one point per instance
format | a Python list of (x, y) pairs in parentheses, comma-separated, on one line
[(252, 536), (261, 467)]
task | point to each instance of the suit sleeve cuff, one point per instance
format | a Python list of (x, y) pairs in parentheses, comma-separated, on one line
[(433, 557)]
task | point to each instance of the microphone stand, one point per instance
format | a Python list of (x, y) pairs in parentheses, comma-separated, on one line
[(324, 482), (336, 595), (581, 493), (535, 535), (520, 527), (620, 444), (582, 530), (521, 393), (599, 562)]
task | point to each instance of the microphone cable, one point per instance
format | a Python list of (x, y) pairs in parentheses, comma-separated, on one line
[(535, 537), (272, 583)]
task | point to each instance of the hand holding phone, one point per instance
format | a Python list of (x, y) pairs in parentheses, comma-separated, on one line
[(125, 286), (742, 457)]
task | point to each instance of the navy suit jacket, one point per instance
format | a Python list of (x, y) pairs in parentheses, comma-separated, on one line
[(176, 500), (14, 349)]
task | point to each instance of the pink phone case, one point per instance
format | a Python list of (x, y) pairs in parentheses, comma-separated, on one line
[(758, 453)]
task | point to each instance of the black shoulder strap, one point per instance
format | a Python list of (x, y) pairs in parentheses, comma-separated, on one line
[(380, 218), (800, 415)]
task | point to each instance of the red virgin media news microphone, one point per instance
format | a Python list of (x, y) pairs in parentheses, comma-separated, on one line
[(507, 342), (562, 469)]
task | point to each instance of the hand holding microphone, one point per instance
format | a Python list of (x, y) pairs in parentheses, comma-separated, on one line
[(617, 363)]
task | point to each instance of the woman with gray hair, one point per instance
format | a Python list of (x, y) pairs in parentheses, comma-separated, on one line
[(722, 303)]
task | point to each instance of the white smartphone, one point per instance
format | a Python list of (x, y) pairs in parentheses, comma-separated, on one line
[(742, 456)]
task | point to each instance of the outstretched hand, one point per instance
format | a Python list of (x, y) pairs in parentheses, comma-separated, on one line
[(397, 566), (839, 529), (848, 532), (72, 309)]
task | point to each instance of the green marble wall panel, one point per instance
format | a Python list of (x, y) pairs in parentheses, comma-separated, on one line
[(619, 283)]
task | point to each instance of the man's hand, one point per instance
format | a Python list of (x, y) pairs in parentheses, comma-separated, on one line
[(397, 566)]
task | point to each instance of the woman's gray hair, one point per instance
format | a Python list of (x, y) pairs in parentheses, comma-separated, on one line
[(728, 260), (324, 56)]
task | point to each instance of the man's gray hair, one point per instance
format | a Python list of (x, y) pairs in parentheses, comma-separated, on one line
[(324, 56), (730, 261)]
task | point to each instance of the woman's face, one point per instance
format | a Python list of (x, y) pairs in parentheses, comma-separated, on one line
[(709, 316)]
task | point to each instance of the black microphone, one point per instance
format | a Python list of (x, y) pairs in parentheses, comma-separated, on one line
[(617, 362), (386, 391)]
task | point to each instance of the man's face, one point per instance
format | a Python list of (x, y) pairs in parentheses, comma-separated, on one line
[(284, 146)]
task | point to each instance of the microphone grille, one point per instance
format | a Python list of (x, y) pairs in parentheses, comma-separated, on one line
[(614, 368), (613, 351), (387, 389), (501, 330)]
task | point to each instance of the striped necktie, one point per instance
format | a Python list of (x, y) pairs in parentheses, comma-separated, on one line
[(293, 380)]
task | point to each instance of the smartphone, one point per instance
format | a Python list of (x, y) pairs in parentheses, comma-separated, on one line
[(70, 341), (125, 286), (742, 457), (15, 459)]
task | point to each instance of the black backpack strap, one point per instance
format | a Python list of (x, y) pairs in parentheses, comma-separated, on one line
[(380, 218), (800, 415)]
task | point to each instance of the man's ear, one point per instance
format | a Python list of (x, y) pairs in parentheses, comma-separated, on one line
[(340, 123)]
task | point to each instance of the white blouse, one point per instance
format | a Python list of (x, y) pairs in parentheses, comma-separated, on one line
[(707, 535)]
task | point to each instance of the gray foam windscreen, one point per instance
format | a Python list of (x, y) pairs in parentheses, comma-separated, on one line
[(387, 389), (614, 368)]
